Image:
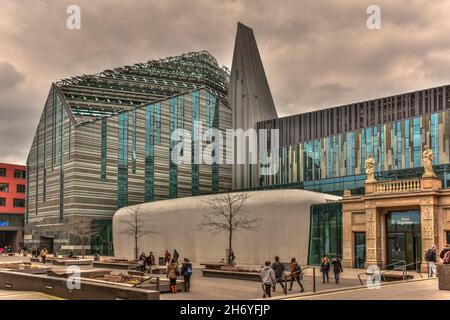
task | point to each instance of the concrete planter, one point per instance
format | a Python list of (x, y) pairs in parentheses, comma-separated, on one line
[(443, 271)]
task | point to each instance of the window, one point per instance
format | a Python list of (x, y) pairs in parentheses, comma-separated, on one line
[(19, 203), (448, 237), (20, 188), (2, 202), (2, 172), (4, 187), (20, 174)]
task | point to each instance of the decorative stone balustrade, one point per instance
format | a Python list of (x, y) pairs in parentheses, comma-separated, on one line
[(398, 186)]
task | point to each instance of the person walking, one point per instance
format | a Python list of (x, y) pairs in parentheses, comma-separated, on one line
[(176, 255), (172, 273), (268, 279), (186, 271), (150, 259), (167, 257), (43, 254), (142, 262), (278, 268), (296, 272), (337, 269), (431, 258), (232, 258), (325, 268)]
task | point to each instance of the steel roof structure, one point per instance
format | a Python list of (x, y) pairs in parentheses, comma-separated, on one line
[(90, 97)]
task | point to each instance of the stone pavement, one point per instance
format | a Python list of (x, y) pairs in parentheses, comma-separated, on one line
[(207, 288), (426, 289)]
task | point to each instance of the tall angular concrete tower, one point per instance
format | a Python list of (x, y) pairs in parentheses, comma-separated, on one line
[(249, 97)]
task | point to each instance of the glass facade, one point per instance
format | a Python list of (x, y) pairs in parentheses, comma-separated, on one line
[(173, 125), (325, 232), (122, 174), (101, 238), (104, 148), (149, 154), (335, 163), (195, 143)]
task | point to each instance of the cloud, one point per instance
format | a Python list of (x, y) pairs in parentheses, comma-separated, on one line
[(316, 54), (9, 76)]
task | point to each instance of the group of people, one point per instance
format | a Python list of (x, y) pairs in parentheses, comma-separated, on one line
[(6, 250), (431, 258), (325, 266), (173, 270), (273, 273)]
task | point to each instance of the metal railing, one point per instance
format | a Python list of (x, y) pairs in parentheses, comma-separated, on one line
[(314, 276), (400, 265)]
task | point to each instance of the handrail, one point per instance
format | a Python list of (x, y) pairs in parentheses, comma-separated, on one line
[(314, 276), (402, 268)]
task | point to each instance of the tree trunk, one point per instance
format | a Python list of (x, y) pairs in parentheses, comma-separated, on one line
[(135, 248), (230, 239)]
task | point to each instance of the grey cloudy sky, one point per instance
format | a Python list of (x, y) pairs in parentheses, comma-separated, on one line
[(316, 53)]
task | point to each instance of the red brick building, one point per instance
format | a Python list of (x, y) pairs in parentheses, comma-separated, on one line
[(12, 204)]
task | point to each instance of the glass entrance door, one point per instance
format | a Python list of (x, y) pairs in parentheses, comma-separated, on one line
[(403, 237)]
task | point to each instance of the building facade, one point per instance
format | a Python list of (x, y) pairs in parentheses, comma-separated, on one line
[(325, 150), (103, 142), (12, 204), (395, 222)]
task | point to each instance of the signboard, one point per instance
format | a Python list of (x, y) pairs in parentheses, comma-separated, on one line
[(4, 224)]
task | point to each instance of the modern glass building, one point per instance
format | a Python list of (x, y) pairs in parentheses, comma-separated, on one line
[(326, 150), (103, 142)]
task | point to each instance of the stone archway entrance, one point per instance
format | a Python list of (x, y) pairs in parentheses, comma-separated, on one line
[(399, 219)]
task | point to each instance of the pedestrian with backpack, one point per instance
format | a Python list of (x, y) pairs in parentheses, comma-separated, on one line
[(278, 268), (186, 271), (268, 279), (430, 257), (296, 272)]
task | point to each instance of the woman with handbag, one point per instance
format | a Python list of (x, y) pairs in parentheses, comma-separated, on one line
[(295, 274), (173, 273)]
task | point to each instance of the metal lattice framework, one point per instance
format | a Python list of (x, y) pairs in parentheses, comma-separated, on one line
[(111, 91)]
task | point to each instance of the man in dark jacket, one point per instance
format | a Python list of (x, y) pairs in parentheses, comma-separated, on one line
[(337, 268), (186, 272), (278, 267), (430, 257)]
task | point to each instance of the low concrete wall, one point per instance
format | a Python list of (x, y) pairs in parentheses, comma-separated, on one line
[(443, 271), (58, 287)]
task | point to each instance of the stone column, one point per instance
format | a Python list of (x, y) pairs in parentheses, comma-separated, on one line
[(373, 238), (429, 230), (347, 240)]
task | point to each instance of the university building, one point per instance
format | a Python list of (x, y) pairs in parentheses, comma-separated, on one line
[(103, 142), (12, 204)]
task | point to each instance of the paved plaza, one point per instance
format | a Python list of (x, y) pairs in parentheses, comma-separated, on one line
[(426, 289), (208, 288)]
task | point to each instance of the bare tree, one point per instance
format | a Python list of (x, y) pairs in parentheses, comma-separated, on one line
[(135, 226), (82, 229), (228, 213)]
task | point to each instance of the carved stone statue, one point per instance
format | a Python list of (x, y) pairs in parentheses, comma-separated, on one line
[(428, 157), (370, 169)]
